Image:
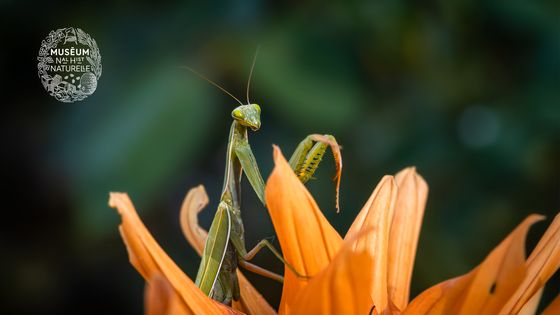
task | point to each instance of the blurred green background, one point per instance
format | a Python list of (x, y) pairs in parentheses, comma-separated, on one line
[(468, 91)]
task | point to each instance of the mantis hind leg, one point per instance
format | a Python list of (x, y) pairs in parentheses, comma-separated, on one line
[(260, 271), (247, 256), (309, 153)]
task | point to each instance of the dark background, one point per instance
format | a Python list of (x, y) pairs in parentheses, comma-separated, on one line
[(465, 90)]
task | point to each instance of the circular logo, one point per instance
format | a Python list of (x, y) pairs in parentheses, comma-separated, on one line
[(69, 64)]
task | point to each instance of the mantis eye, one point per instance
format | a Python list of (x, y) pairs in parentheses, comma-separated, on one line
[(258, 108), (237, 113)]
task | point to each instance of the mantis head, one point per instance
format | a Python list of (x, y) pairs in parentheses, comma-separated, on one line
[(248, 115)]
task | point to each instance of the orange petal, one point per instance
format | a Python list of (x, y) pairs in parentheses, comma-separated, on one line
[(541, 265), (149, 259), (500, 273), (307, 239), (405, 230), (438, 299), (376, 215), (530, 308), (160, 299), (194, 202), (553, 308), (252, 301), (342, 287), (485, 289)]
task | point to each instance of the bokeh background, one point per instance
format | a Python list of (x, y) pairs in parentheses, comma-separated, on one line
[(468, 91)]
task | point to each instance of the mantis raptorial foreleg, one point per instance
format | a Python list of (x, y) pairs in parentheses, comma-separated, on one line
[(309, 153), (304, 161), (250, 167)]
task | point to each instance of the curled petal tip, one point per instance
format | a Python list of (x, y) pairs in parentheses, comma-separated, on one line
[(195, 201), (407, 172), (115, 197), (535, 217), (276, 152), (111, 201)]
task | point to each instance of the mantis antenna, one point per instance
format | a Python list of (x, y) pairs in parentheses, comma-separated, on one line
[(251, 73), (212, 82)]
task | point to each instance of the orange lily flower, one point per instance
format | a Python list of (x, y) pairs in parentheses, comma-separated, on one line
[(369, 271)]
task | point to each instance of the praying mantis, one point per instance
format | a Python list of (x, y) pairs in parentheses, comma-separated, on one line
[(224, 250)]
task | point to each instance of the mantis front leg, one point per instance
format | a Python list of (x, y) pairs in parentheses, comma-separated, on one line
[(304, 161), (250, 167), (309, 153)]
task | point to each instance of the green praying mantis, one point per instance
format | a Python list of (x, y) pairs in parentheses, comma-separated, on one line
[(225, 250)]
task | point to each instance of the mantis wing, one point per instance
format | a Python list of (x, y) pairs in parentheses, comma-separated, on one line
[(214, 250), (250, 167)]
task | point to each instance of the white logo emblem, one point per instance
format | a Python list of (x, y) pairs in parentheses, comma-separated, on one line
[(69, 64)]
